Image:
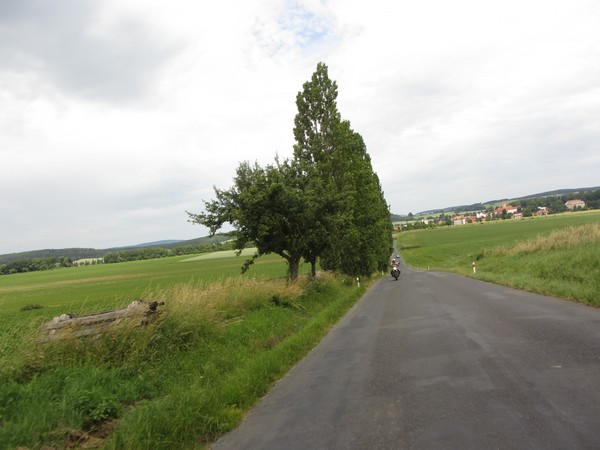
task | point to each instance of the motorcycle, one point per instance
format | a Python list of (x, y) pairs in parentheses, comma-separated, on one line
[(395, 272)]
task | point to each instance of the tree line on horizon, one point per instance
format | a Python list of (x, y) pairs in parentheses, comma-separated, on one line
[(554, 203), (324, 205), (24, 265), (160, 252)]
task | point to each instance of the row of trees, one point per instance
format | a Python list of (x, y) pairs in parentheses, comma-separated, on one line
[(137, 255), (160, 252), (38, 264), (325, 204), (557, 203), (69, 253), (34, 265)]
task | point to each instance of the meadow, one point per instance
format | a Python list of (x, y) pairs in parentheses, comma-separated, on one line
[(179, 382), (225, 338), (556, 255), (86, 287)]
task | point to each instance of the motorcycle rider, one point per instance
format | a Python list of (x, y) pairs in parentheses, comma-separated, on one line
[(395, 267)]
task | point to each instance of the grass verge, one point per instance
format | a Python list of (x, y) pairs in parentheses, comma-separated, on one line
[(177, 383), (558, 256), (565, 264)]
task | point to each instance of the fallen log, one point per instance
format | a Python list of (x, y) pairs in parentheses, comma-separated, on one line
[(142, 311)]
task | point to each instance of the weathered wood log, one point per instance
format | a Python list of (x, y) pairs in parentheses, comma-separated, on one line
[(72, 325)]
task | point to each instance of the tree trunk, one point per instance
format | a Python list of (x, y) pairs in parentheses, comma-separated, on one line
[(294, 265)]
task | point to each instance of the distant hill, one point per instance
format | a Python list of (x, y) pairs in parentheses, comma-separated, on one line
[(479, 206), (83, 253), (156, 244)]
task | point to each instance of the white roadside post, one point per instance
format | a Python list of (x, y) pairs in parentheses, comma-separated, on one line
[(474, 268)]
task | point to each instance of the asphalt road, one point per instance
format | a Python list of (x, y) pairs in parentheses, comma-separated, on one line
[(440, 361)]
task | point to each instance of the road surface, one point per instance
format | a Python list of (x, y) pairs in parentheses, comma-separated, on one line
[(440, 361)]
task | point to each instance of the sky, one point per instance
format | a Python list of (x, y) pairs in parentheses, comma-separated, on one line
[(118, 117)]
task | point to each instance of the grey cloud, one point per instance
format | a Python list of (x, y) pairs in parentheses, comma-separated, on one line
[(53, 39)]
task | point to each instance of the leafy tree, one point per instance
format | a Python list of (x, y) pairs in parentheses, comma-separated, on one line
[(267, 206), (317, 119), (354, 232), (65, 261), (325, 204)]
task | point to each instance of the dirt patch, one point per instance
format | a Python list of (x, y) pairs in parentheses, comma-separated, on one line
[(78, 439)]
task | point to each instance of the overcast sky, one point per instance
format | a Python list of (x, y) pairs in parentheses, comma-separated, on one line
[(118, 116)]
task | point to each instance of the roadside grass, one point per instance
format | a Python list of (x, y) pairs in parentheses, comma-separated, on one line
[(92, 289), (565, 263), (179, 382), (558, 256)]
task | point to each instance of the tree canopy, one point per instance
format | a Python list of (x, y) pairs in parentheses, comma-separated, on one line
[(325, 203)]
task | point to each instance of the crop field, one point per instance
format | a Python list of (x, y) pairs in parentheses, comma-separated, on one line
[(556, 255)]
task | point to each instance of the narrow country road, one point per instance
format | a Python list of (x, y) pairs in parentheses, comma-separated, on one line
[(440, 361)]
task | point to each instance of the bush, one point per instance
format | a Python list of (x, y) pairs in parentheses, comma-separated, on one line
[(31, 307)]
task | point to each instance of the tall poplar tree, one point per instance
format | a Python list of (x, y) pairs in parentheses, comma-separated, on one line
[(355, 216), (325, 204)]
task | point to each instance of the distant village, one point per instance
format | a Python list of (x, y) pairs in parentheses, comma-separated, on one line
[(504, 211)]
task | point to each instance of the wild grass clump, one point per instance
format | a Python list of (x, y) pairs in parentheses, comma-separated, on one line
[(571, 237), (179, 381), (31, 307)]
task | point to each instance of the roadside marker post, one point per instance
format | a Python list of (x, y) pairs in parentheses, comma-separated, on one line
[(474, 268)]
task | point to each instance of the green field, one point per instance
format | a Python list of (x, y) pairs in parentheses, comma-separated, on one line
[(87, 287), (92, 289), (224, 338), (504, 253), (181, 381)]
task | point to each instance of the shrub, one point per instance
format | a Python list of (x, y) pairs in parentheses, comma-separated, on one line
[(31, 306)]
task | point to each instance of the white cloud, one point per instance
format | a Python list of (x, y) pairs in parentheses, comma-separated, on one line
[(117, 117)]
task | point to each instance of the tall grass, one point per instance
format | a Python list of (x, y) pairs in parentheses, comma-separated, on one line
[(179, 382), (571, 237), (565, 263)]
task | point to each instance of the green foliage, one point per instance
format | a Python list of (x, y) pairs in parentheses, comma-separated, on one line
[(68, 253), (140, 254), (556, 203), (191, 246), (324, 203), (356, 227), (27, 265), (93, 408), (137, 255), (267, 206)]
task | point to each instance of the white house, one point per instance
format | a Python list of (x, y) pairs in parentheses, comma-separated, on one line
[(574, 204)]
